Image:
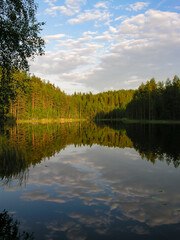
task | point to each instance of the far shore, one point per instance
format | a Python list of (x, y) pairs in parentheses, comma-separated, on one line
[(126, 120), (70, 120), (59, 120)]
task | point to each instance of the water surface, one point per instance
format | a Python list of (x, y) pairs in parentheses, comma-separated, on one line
[(88, 181)]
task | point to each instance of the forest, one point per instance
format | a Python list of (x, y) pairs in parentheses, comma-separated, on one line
[(30, 98), (26, 97), (36, 99)]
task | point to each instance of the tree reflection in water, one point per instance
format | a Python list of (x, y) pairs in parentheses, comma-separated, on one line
[(23, 146), (92, 193), (153, 141), (9, 228)]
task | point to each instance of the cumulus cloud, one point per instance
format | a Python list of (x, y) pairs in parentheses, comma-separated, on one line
[(139, 51), (75, 44), (104, 37), (75, 4), (119, 18), (62, 9), (134, 50), (91, 15), (50, 2), (89, 33), (101, 5), (49, 38), (137, 6), (153, 25), (70, 8), (112, 29), (67, 64), (61, 62)]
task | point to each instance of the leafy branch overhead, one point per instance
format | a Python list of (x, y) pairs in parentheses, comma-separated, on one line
[(19, 38)]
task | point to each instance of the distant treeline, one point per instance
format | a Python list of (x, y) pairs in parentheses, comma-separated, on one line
[(156, 101), (151, 101), (36, 99), (32, 98)]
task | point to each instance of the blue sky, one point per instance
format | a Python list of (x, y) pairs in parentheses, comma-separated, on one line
[(108, 45)]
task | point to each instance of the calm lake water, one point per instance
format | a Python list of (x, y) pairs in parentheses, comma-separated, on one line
[(87, 181)]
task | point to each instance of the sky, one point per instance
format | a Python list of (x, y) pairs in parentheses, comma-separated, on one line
[(99, 46)]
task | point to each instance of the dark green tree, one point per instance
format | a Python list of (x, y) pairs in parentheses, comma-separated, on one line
[(19, 40)]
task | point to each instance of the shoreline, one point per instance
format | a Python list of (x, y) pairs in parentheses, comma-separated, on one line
[(59, 120), (70, 120), (129, 121)]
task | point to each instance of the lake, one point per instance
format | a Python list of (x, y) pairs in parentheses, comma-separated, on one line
[(92, 181)]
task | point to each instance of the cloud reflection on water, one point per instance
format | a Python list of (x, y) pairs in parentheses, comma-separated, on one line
[(107, 189)]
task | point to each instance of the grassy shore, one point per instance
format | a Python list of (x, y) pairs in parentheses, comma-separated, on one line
[(125, 120), (59, 120)]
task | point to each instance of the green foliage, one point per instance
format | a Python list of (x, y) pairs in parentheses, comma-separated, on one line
[(156, 101), (19, 40), (35, 99)]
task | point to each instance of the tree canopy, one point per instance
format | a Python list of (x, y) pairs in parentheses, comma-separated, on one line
[(19, 38)]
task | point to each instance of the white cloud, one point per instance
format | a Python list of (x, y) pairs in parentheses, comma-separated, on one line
[(67, 64), (70, 8), (112, 29), (49, 38), (61, 62), (75, 3), (105, 37), (153, 24), (90, 15), (146, 43), (119, 18), (62, 9), (75, 44), (118, 7), (50, 2), (89, 33), (144, 46), (137, 6), (101, 5)]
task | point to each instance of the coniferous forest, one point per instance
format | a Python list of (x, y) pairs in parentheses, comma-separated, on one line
[(25, 97), (32, 99)]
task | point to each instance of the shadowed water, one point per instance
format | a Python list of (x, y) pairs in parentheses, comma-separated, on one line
[(88, 181)]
